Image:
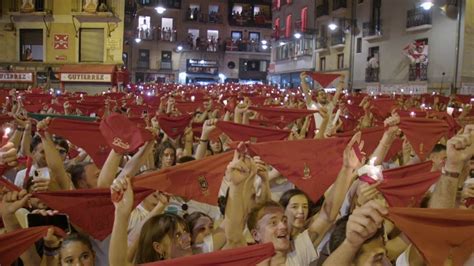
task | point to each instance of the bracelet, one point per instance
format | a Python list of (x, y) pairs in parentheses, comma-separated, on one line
[(449, 174), (50, 252)]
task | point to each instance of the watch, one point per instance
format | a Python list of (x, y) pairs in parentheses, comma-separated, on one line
[(450, 174)]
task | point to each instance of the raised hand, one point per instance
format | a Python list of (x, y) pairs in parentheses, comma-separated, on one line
[(364, 223), (122, 196)]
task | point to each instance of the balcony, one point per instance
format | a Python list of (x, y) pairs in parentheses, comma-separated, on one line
[(143, 64), (418, 19), (322, 12), (198, 16), (260, 20), (338, 39), (157, 34), (372, 74), (321, 44), (371, 30), (203, 45), (418, 72), (339, 7), (240, 46)]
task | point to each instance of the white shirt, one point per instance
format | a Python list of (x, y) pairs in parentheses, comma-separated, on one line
[(20, 176), (303, 252)]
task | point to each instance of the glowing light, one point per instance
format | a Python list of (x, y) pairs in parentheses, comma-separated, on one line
[(427, 5), (412, 114), (332, 26), (297, 35), (160, 10)]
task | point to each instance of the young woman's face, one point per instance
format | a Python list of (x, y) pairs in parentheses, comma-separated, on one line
[(76, 253), (297, 211), (202, 228), (167, 158), (180, 244), (216, 146)]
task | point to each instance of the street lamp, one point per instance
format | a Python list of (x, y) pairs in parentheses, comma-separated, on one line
[(427, 4), (332, 26), (179, 48), (138, 40), (160, 10), (297, 35)]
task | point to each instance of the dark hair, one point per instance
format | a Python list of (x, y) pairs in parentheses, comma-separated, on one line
[(438, 148), (185, 159), (154, 230), (35, 142), (161, 150), (61, 142), (255, 214), (192, 218), (209, 146), (77, 237), (313, 208), (77, 172)]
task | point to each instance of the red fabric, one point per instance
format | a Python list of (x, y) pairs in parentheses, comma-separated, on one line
[(174, 126), (454, 127), (5, 118), (423, 133), (407, 192), (123, 135), (408, 113), (83, 134), (239, 132), (409, 170), (285, 115), (13, 244), (198, 180), (382, 107), (88, 108), (311, 164), (250, 255), (189, 107), (323, 79), (90, 209), (437, 233), (371, 137), (9, 185)]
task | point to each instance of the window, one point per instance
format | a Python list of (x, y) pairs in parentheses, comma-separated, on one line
[(31, 45), (322, 64), (359, 45), (91, 46), (340, 61), (236, 35), (212, 34), (193, 34), (288, 26), (213, 9), (167, 23), (304, 19), (254, 36), (144, 22), (144, 58)]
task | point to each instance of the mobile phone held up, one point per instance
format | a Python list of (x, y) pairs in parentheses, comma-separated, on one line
[(58, 220)]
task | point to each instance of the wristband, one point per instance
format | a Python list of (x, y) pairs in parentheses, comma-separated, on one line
[(450, 174)]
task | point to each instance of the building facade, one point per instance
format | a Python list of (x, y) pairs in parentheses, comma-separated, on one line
[(378, 44), (42, 38), (198, 41), (401, 44)]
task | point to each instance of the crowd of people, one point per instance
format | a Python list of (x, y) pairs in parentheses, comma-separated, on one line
[(232, 174)]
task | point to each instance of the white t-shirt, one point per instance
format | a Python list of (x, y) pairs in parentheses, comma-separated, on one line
[(20, 176), (404, 258), (303, 252)]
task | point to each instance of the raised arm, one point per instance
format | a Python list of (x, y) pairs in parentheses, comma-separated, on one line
[(53, 158), (331, 206), (109, 169), (306, 89), (122, 197), (459, 150), (387, 139), (207, 128)]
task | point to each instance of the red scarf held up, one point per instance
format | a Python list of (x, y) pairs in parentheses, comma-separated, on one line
[(239, 132), (423, 133), (13, 244), (311, 164), (437, 233), (198, 180), (285, 115), (323, 79), (250, 255), (174, 126), (408, 170)]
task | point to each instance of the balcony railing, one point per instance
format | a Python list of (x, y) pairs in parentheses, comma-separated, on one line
[(213, 17), (418, 72), (35, 6), (158, 34), (143, 64), (321, 43), (336, 4), (245, 46), (258, 20), (338, 38), (372, 74), (322, 10), (418, 17), (371, 29)]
